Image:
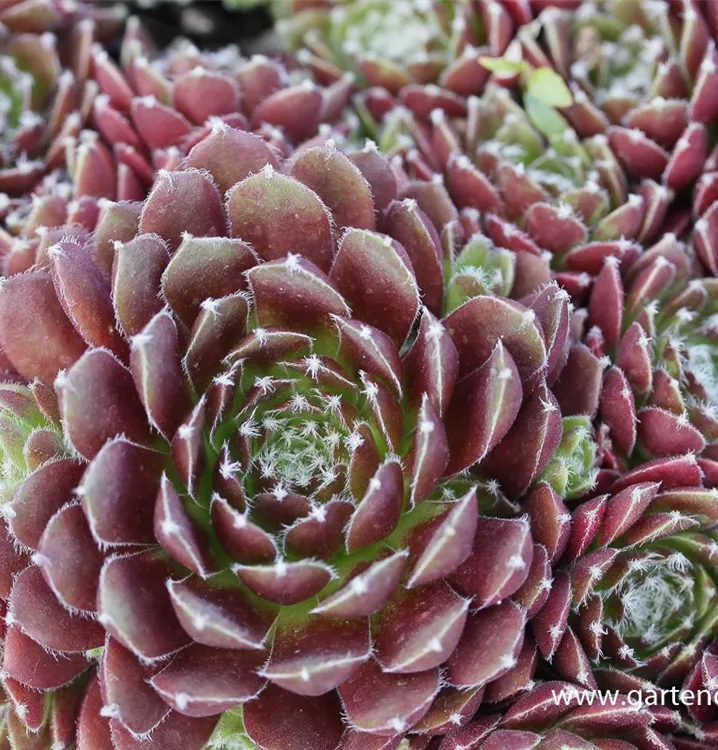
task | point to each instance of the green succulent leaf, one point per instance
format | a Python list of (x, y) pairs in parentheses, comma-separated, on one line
[(549, 88), (544, 117), (504, 65)]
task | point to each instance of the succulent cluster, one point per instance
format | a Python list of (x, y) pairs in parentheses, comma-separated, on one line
[(364, 396)]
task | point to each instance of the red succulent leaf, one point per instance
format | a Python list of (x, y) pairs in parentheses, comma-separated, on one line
[(379, 510), (38, 498), (292, 218), (429, 453), (689, 155), (222, 618), (70, 560), (204, 681), (134, 606), (387, 704), (85, 296), (296, 110), (27, 662), (624, 509), (368, 261), (126, 691), (43, 341), (182, 202), (176, 731), (634, 359), (98, 402), (449, 542), (214, 265), (489, 646), (294, 292), (280, 720), (157, 373), (639, 155), (529, 445), (618, 409), (499, 564), (550, 519), (409, 226), (484, 406), (118, 492), (286, 582), (179, 534), (554, 229), (242, 539), (420, 628), (315, 657), (578, 389), (549, 625), (663, 433), (43, 618), (340, 185), (431, 364), (136, 274)]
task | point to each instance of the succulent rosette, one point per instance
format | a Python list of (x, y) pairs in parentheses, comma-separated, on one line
[(147, 112), (402, 46), (41, 82), (656, 324), (258, 482)]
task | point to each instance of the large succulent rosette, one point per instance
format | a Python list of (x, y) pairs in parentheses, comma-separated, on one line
[(655, 322), (252, 486), (148, 111), (44, 51)]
